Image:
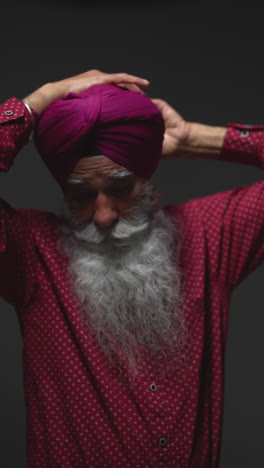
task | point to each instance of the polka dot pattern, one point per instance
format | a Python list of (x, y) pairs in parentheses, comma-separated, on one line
[(244, 143), (80, 411), (15, 130)]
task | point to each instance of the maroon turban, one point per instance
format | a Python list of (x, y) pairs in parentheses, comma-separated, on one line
[(124, 125)]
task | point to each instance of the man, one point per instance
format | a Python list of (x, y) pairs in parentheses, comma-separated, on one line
[(123, 305)]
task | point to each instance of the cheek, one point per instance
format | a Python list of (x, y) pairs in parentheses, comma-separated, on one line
[(124, 206), (82, 212), (127, 203)]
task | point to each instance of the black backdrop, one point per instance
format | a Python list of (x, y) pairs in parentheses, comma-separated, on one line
[(206, 59)]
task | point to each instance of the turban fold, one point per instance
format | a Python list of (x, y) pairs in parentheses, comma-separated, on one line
[(123, 125)]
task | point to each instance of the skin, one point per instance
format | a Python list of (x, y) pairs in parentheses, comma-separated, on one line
[(43, 96), (189, 140), (100, 198)]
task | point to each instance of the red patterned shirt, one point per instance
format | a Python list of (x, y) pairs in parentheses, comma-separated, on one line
[(80, 411)]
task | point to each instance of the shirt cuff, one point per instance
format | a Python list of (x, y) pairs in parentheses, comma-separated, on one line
[(16, 125), (15, 115), (244, 143)]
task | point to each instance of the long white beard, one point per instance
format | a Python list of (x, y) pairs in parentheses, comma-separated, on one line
[(128, 283)]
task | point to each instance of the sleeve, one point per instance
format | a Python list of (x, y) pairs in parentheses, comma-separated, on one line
[(16, 249), (233, 221), (244, 144), (15, 130), (16, 125)]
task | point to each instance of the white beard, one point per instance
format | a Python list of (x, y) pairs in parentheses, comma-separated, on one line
[(128, 283)]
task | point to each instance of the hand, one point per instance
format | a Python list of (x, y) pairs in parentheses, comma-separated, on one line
[(78, 83), (176, 130), (42, 97)]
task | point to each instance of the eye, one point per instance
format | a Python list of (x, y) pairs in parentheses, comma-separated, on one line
[(84, 197), (122, 190)]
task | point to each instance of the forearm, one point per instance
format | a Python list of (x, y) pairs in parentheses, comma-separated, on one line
[(234, 143), (203, 141), (17, 121), (42, 97)]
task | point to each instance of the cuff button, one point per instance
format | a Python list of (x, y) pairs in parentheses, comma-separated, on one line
[(153, 387), (162, 442), (244, 133), (8, 112)]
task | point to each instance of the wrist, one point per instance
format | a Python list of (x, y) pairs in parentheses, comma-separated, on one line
[(203, 140), (40, 99)]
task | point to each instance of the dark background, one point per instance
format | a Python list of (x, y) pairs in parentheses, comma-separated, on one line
[(206, 59)]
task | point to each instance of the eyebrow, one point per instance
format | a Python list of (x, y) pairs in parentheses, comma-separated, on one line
[(119, 174), (75, 181), (112, 176)]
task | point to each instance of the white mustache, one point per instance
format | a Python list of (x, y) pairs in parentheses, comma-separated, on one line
[(123, 230)]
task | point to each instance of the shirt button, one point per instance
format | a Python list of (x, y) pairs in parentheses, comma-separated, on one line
[(153, 387), (244, 133), (162, 442), (9, 112)]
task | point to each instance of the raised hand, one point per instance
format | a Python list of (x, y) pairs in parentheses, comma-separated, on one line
[(176, 130), (42, 97)]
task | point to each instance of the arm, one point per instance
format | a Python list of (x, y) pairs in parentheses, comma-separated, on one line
[(232, 222), (188, 139), (203, 141), (235, 142), (15, 129)]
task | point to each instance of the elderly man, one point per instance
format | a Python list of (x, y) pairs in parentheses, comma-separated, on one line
[(123, 304)]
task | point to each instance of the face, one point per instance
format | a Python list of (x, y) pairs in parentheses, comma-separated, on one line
[(100, 191)]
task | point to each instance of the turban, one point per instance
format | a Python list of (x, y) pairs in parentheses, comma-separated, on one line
[(123, 125)]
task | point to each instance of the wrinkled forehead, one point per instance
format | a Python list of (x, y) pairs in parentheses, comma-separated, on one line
[(97, 166)]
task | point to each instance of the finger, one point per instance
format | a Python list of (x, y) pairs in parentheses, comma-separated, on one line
[(159, 103), (132, 87), (126, 78), (92, 72), (107, 79)]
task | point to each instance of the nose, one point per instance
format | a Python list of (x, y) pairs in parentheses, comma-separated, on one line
[(105, 213)]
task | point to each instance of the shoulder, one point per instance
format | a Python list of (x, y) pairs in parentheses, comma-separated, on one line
[(27, 220), (41, 223), (209, 205)]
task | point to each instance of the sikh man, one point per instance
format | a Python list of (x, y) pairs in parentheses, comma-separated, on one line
[(123, 304)]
